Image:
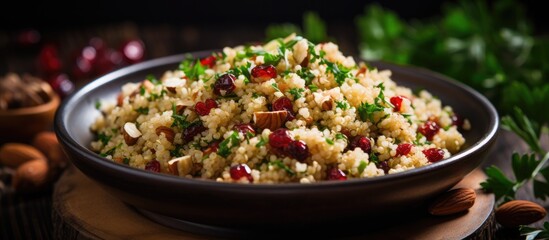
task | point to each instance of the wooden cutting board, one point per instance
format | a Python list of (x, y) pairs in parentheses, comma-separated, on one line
[(83, 210)]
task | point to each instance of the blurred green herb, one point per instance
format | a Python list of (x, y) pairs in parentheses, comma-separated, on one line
[(314, 29), (534, 233)]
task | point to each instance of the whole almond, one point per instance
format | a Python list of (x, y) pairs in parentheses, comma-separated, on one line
[(519, 212), (454, 201), (14, 154), (31, 175), (47, 143)]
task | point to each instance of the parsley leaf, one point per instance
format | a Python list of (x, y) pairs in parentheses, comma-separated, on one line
[(225, 146), (526, 129), (179, 120), (192, 68), (342, 104), (153, 79), (281, 165), (330, 141), (312, 87), (296, 92), (262, 142), (97, 105), (366, 111), (362, 166), (340, 73), (177, 151), (306, 74), (242, 70), (104, 138), (275, 86), (142, 110), (534, 233)]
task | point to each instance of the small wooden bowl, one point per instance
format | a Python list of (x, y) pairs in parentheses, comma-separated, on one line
[(20, 125)]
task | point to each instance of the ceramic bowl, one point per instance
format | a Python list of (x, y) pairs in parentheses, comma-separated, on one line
[(204, 205)]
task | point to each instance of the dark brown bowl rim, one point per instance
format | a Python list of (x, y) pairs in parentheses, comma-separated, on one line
[(110, 166)]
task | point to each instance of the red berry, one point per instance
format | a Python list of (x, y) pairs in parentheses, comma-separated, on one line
[(385, 166), (397, 103), (263, 73), (61, 84), (204, 108), (48, 60), (361, 142), (284, 103), (241, 170), (191, 131), (211, 148), (224, 85), (107, 61), (280, 138), (336, 174), (133, 51), (403, 149), (297, 150), (208, 61), (434, 154), (429, 129), (244, 128), (153, 166)]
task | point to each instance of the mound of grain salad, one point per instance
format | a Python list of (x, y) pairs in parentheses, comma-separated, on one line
[(286, 111)]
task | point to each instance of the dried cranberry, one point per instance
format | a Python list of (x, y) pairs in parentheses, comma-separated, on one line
[(434, 154), (48, 59), (384, 165), (224, 85), (397, 103), (153, 166), (263, 73), (336, 174), (241, 170), (361, 142), (284, 103), (403, 149), (297, 150), (457, 120), (204, 108), (191, 131), (280, 138), (212, 147), (208, 61), (429, 129), (244, 128)]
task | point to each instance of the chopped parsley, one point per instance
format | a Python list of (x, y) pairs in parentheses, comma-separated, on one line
[(142, 110), (153, 79), (296, 92), (126, 161), (179, 120), (261, 142), (366, 111), (177, 151), (306, 74), (225, 146), (192, 68), (97, 105), (271, 59), (275, 86), (110, 151), (155, 96), (374, 158), (341, 136), (255, 95), (281, 165), (142, 90), (242, 70), (339, 71), (104, 138), (362, 166), (342, 104), (408, 117), (330, 141), (312, 87)]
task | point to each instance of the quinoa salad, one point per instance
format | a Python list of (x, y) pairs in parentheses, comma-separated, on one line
[(286, 111)]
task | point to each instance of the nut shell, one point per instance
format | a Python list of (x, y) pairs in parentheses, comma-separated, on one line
[(519, 212), (452, 202)]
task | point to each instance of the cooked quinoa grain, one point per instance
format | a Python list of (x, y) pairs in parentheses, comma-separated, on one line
[(286, 111)]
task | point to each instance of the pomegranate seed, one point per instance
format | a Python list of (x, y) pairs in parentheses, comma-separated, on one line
[(263, 73), (244, 128), (397, 103), (241, 170), (280, 138), (361, 142), (204, 108), (224, 85), (284, 103), (191, 131), (61, 84), (336, 174), (133, 51), (297, 150), (153, 166), (208, 61), (403, 149), (385, 166), (434, 154), (48, 59), (429, 129)]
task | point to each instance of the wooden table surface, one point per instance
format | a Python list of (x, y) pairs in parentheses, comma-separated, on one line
[(166, 40)]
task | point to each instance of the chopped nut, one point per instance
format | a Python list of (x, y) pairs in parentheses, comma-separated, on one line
[(168, 132), (180, 166), (131, 133), (271, 120)]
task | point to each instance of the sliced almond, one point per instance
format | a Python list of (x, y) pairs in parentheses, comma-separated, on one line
[(179, 109), (120, 99), (172, 83), (168, 132), (323, 100), (327, 104), (271, 120), (181, 166), (131, 133)]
